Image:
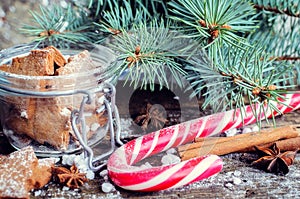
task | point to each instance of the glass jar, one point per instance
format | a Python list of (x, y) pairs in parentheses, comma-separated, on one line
[(59, 115)]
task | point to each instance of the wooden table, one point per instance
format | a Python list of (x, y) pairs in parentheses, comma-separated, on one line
[(238, 179)]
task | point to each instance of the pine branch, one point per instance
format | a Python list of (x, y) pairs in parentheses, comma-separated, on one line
[(240, 73), (215, 21), (234, 73), (156, 8), (286, 58), (278, 39), (120, 15), (99, 4), (148, 54), (57, 26), (287, 7), (277, 11)]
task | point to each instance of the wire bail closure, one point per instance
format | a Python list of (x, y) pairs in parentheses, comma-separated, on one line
[(77, 117)]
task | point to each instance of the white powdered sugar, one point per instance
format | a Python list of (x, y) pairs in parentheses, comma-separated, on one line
[(247, 130), (231, 132), (170, 159), (68, 159), (103, 173), (81, 162), (65, 111), (94, 126), (13, 176), (107, 187), (146, 165), (18, 171), (171, 151), (24, 114), (255, 128)]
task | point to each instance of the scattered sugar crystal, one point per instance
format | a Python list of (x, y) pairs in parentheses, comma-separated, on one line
[(176, 98), (231, 132), (80, 162), (229, 173), (79, 158), (107, 187), (101, 99), (103, 173), (24, 114), (237, 173), (146, 165), (95, 126), (65, 111), (236, 180), (247, 130), (68, 159), (170, 159), (255, 129), (90, 174), (65, 188), (37, 193), (229, 185), (171, 151)]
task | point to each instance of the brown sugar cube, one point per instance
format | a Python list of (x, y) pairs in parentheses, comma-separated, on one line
[(37, 63), (77, 63), (47, 120), (40, 62), (42, 173), (21, 115), (5, 68), (44, 120), (52, 123), (59, 59), (21, 171)]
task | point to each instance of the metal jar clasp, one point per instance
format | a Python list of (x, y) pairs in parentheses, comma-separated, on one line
[(77, 117)]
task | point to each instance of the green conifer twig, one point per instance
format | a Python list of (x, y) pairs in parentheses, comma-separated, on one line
[(59, 26), (148, 54)]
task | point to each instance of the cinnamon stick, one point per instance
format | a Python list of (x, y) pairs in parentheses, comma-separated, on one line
[(290, 144), (225, 145)]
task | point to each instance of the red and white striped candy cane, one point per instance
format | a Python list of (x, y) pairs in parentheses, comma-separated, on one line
[(129, 177)]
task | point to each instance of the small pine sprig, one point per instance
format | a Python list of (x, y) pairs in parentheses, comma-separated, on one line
[(148, 54), (120, 15), (278, 38), (287, 7), (214, 21), (59, 26), (241, 77), (155, 8), (99, 5)]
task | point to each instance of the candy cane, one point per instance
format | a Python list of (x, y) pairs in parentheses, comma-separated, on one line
[(138, 178)]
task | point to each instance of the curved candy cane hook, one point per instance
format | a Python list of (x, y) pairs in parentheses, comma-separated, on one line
[(139, 178)]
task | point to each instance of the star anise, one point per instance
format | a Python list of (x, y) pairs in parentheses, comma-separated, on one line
[(154, 114), (273, 160), (70, 177)]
